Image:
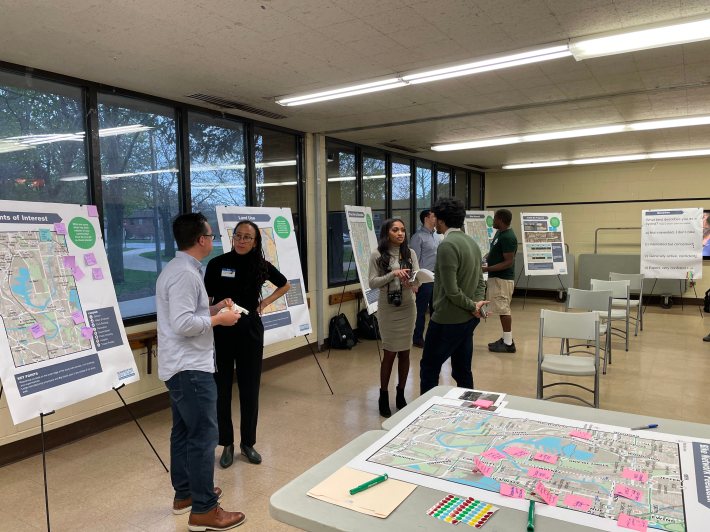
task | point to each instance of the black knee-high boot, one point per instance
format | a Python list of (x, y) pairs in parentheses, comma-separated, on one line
[(384, 404), (400, 401)]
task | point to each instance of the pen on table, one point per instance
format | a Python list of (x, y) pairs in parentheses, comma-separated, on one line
[(368, 484), (531, 517), (644, 427)]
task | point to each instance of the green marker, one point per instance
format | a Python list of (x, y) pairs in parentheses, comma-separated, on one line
[(368, 484), (531, 517)]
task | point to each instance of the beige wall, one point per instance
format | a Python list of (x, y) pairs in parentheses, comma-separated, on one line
[(662, 183)]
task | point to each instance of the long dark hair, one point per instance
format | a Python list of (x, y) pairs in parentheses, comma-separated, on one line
[(383, 246), (256, 259)]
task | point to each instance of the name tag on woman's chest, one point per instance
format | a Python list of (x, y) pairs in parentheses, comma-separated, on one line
[(228, 272)]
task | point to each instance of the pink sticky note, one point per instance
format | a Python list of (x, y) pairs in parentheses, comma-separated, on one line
[(60, 228), (87, 332), (535, 472), (69, 261), (493, 455), (627, 492), (486, 470), (97, 274), (78, 274), (89, 259), (78, 317), (92, 211), (634, 523), (546, 457), (545, 494), (517, 452), (511, 491), (483, 403), (638, 476), (37, 330), (581, 434), (578, 502)]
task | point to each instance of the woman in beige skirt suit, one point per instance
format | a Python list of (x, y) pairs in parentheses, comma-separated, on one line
[(390, 268)]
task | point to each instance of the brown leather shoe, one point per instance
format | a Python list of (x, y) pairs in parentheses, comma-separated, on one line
[(215, 519), (183, 506)]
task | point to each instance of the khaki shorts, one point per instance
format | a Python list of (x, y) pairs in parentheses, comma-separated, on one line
[(500, 293)]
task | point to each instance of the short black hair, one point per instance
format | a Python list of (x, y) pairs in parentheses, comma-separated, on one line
[(423, 215), (188, 228), (451, 211), (504, 215)]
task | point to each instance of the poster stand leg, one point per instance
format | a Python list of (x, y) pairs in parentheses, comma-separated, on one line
[(700, 305), (139, 426), (643, 310), (44, 466), (0, 392), (340, 304), (525, 297), (310, 345)]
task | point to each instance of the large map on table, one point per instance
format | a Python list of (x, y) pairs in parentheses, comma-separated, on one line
[(614, 472)]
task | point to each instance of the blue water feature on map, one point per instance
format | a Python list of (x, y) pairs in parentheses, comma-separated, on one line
[(486, 483), (551, 444), (22, 288), (74, 299)]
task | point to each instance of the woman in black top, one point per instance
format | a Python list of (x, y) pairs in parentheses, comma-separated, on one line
[(239, 275)]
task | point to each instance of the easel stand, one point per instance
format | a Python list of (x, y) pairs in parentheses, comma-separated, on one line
[(680, 294), (310, 345), (44, 466), (139, 426), (527, 283)]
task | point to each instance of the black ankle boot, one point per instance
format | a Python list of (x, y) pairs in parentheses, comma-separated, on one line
[(400, 401), (385, 404)]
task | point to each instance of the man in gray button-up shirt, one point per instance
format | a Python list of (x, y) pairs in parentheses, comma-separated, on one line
[(186, 364), (424, 243)]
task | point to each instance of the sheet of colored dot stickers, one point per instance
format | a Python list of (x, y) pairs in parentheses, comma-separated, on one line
[(466, 510)]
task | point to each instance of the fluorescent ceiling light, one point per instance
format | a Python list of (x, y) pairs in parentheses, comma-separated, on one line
[(333, 94), (346, 178), (640, 39), (24, 142), (612, 159), (212, 186), (74, 178), (642, 125), (277, 184), (269, 164)]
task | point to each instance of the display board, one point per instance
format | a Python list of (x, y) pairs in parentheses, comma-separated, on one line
[(587, 474), (479, 226), (543, 243), (288, 316), (62, 338), (672, 243), (363, 241)]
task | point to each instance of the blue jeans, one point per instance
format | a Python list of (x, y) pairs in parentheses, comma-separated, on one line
[(425, 299), (193, 399), (453, 340)]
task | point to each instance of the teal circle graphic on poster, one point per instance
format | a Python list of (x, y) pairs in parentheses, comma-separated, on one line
[(489, 221), (555, 221), (282, 227), (82, 233), (368, 219)]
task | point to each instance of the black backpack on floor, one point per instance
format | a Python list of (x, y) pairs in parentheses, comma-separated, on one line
[(340, 334), (367, 326)]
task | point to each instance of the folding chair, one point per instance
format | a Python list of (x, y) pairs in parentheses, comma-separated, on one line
[(566, 325), (619, 291), (593, 301), (635, 287)]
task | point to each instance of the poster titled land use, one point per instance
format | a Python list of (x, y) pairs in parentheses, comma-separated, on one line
[(363, 242), (672, 243), (288, 316), (479, 226), (543, 243), (62, 338)]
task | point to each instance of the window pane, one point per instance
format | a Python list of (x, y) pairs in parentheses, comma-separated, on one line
[(140, 196), (423, 185), (275, 158), (443, 183), (475, 184), (374, 184), (341, 174), (42, 141), (461, 185), (401, 190), (217, 168)]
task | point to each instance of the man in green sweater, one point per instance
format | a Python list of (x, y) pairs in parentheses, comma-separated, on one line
[(459, 291)]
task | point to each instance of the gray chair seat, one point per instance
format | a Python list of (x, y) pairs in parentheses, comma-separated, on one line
[(568, 365), (618, 302)]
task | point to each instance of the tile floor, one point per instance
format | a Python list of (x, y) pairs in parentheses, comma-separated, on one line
[(113, 482)]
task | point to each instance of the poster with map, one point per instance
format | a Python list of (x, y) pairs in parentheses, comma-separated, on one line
[(587, 474), (363, 242), (479, 226), (543, 243), (62, 338), (288, 316)]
